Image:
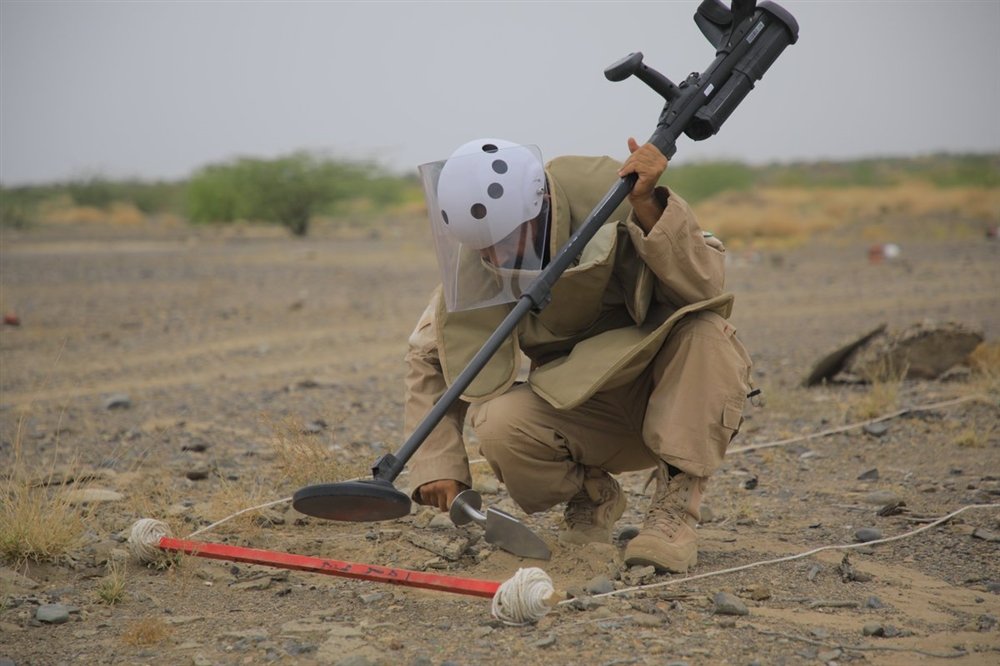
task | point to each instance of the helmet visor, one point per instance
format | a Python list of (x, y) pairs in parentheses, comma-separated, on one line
[(489, 223)]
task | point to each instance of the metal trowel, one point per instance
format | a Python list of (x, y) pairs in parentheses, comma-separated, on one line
[(502, 529)]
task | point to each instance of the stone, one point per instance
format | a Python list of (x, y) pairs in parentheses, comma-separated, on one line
[(117, 401), (866, 534), (599, 585), (876, 429), (728, 604), (627, 533), (256, 584), (986, 535), (881, 497), (52, 613), (869, 475), (82, 496), (873, 629)]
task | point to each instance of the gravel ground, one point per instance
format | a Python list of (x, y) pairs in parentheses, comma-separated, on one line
[(163, 364)]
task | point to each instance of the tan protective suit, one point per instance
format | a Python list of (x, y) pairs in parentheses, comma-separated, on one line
[(633, 359)]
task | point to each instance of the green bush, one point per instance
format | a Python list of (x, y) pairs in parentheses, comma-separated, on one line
[(287, 190)]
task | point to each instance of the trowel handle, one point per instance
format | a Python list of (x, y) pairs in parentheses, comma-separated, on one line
[(465, 508)]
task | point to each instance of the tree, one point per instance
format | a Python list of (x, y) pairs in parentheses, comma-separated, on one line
[(288, 190)]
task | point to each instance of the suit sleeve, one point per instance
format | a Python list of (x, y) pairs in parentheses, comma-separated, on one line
[(688, 268), (442, 455)]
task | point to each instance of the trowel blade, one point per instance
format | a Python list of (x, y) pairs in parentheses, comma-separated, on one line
[(507, 532)]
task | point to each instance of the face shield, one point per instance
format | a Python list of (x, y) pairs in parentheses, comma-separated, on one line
[(489, 221)]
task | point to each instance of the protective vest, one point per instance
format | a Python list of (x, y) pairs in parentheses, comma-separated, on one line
[(603, 325)]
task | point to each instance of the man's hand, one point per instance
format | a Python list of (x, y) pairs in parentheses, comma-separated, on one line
[(648, 163), (440, 493)]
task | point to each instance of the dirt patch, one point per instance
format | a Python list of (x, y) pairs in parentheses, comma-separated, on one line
[(217, 346)]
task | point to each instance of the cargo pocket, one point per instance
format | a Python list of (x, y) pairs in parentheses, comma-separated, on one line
[(732, 417)]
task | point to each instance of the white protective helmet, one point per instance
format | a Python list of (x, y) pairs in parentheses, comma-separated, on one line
[(489, 187)]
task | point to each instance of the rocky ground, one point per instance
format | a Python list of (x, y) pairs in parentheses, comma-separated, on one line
[(184, 374)]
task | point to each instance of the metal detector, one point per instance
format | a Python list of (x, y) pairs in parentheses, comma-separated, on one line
[(748, 38)]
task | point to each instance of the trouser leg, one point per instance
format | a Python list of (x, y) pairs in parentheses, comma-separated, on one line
[(697, 386), (542, 453)]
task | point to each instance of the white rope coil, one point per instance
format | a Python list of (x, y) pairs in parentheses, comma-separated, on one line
[(524, 598), (144, 541)]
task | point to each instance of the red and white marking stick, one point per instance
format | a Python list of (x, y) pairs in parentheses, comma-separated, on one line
[(391, 575)]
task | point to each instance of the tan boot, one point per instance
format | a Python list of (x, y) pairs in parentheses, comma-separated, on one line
[(592, 512), (667, 539)]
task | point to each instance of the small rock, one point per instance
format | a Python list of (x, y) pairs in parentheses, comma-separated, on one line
[(707, 513), (628, 532), (993, 586), (442, 521), (727, 622), (546, 641), (874, 602), (257, 584), (371, 597), (869, 475), (758, 592), (599, 585), (728, 604), (986, 622), (986, 535), (881, 497), (640, 575), (93, 496), (866, 534), (876, 429), (118, 401), (829, 655), (52, 613), (873, 629), (198, 473), (750, 483)]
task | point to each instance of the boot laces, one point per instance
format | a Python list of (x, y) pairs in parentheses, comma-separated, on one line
[(580, 510), (667, 510)]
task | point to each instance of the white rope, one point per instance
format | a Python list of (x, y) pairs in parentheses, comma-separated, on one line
[(144, 541), (238, 513), (852, 426), (524, 598), (798, 556), (740, 449)]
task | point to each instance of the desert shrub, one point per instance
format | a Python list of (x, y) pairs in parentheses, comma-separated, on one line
[(287, 190)]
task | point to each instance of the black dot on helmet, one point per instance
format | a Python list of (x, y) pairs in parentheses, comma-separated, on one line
[(478, 211), (490, 148), (499, 166), (495, 190), (444, 216)]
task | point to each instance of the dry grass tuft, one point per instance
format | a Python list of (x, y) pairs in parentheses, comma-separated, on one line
[(985, 363), (882, 397), (968, 439), (111, 589), (303, 458), (37, 522), (147, 631)]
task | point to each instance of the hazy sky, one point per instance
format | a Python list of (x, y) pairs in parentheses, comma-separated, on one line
[(158, 89)]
